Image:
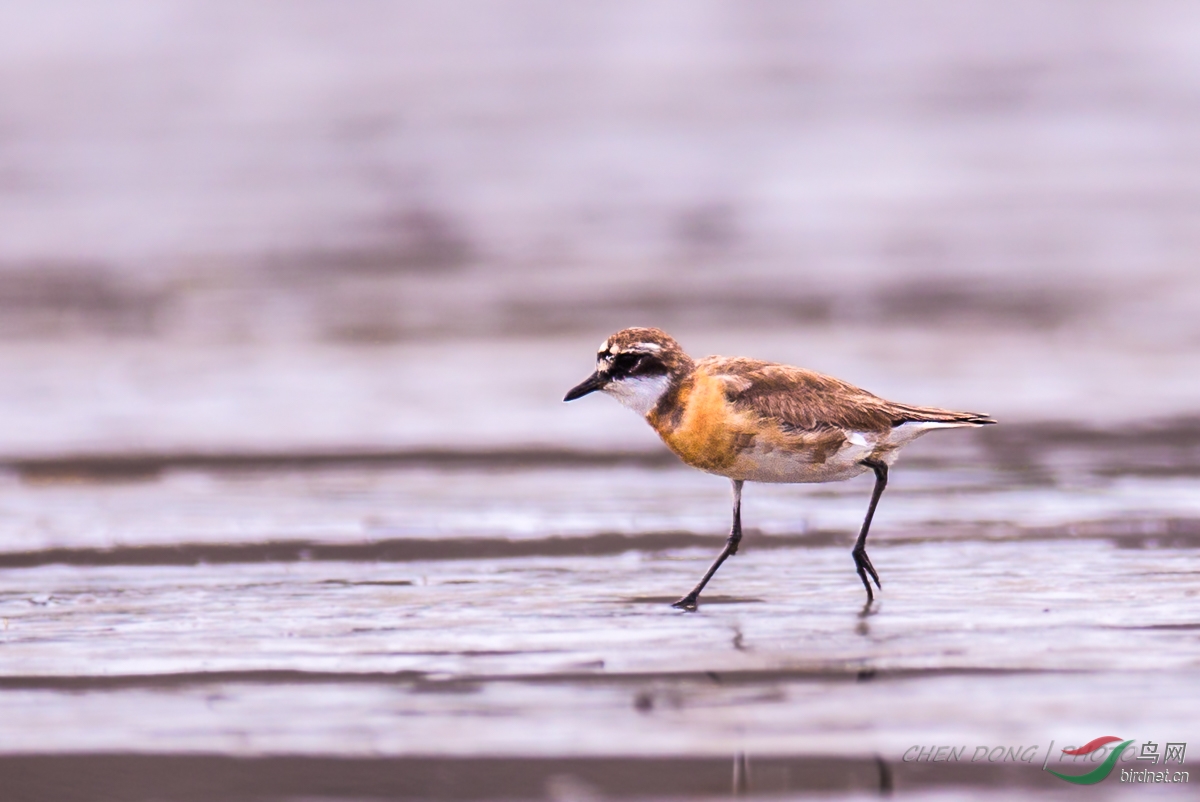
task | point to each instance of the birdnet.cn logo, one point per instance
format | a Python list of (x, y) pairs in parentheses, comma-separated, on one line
[(1147, 762), (1108, 750)]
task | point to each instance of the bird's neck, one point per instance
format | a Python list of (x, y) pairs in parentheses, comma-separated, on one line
[(667, 414)]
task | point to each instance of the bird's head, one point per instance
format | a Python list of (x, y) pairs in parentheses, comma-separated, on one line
[(636, 366)]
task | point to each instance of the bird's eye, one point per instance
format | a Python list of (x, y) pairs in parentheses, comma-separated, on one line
[(624, 363)]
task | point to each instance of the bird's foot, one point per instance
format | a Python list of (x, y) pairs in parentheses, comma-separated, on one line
[(688, 602), (862, 564)]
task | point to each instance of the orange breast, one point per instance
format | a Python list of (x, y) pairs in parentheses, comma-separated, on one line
[(704, 429)]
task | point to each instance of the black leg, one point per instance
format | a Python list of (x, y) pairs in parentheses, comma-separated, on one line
[(688, 602), (861, 561)]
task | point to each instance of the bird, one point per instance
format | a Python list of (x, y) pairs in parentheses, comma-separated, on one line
[(755, 421)]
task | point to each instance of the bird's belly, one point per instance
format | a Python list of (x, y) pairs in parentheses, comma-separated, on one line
[(768, 462)]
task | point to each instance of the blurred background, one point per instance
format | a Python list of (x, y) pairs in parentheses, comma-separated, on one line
[(273, 225), (290, 293)]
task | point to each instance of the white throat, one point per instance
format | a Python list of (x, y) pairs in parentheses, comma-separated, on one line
[(639, 393)]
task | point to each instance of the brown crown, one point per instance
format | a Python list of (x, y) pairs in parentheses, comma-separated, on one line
[(656, 342)]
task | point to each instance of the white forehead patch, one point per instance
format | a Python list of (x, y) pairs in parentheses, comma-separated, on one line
[(607, 350)]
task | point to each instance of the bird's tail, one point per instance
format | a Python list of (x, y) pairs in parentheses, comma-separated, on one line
[(903, 413)]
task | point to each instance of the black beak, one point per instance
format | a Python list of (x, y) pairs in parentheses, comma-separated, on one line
[(589, 385)]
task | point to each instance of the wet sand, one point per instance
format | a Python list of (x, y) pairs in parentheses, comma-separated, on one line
[(397, 625)]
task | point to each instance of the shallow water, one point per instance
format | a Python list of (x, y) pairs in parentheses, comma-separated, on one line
[(1040, 584)]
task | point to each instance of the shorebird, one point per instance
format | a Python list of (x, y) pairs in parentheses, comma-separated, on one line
[(755, 421)]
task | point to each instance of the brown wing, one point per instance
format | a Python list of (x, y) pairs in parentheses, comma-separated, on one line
[(809, 401)]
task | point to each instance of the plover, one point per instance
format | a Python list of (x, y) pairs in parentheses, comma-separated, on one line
[(755, 421)]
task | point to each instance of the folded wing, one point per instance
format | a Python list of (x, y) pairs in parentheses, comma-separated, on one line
[(805, 400)]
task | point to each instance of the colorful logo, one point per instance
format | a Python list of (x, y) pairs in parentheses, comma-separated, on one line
[(1100, 772)]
